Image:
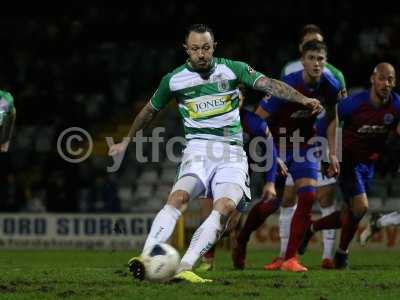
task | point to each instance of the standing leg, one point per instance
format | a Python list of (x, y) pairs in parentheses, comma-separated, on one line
[(306, 193), (287, 210), (326, 197)]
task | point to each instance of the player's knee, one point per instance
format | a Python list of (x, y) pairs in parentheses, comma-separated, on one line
[(225, 206), (325, 201), (289, 202), (179, 199), (360, 210), (289, 197), (326, 196)]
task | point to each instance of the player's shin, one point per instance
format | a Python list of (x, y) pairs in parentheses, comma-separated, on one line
[(329, 236), (350, 223), (256, 217), (163, 226), (203, 239), (301, 219), (285, 219)]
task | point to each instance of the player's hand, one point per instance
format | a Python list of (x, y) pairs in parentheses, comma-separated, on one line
[(117, 149), (4, 147), (334, 167), (314, 105), (282, 168), (269, 191)]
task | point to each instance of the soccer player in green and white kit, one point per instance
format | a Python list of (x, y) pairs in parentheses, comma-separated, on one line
[(214, 162), (7, 119)]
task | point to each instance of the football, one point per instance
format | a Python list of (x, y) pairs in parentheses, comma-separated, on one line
[(161, 262)]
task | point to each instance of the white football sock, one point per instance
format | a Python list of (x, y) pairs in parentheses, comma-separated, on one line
[(329, 235), (389, 219), (285, 219), (203, 239), (163, 226)]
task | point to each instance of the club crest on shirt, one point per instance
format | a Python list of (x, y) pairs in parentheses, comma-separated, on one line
[(250, 70), (222, 83), (388, 119)]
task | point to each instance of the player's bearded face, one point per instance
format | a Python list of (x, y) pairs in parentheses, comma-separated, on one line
[(200, 48)]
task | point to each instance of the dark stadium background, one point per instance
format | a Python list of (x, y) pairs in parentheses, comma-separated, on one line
[(95, 66)]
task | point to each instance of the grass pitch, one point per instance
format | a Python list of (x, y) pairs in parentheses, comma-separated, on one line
[(103, 275)]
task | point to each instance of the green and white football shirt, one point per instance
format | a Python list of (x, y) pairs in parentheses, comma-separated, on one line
[(6, 106), (6, 109), (209, 107)]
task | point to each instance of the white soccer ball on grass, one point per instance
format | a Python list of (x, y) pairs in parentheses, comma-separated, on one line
[(161, 262)]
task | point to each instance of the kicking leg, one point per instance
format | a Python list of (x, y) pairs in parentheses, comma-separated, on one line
[(164, 223)]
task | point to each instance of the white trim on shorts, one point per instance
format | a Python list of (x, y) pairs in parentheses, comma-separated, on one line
[(321, 180)]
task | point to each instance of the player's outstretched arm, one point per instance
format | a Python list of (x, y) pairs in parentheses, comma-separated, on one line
[(145, 116), (280, 89), (9, 131)]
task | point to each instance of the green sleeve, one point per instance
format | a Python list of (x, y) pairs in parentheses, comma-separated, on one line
[(283, 71), (337, 74), (8, 98), (6, 116), (163, 94), (245, 74)]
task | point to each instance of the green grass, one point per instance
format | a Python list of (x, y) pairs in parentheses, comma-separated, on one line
[(103, 275)]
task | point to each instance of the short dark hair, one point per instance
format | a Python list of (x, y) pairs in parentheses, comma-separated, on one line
[(314, 45), (307, 29), (198, 28)]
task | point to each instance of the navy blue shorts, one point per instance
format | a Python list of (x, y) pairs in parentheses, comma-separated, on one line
[(355, 178), (303, 164)]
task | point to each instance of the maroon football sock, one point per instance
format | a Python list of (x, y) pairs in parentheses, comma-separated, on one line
[(256, 218), (332, 221), (349, 228), (210, 254), (301, 219)]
